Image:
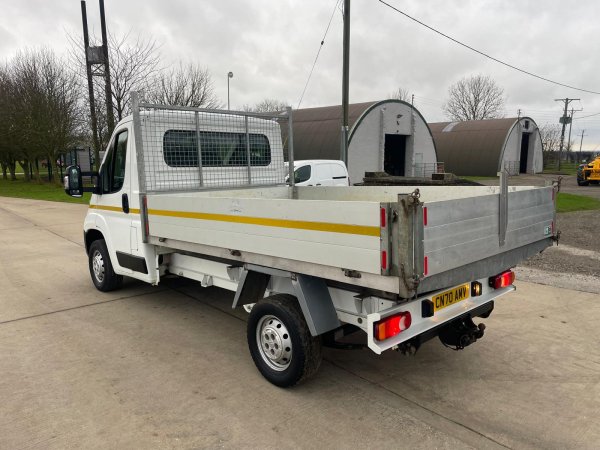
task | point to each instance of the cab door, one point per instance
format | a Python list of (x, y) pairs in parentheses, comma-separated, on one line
[(114, 215)]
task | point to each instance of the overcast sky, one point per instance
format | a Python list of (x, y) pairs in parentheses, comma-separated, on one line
[(270, 46)]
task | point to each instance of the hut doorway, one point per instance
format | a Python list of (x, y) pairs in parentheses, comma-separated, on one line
[(524, 153), (394, 157)]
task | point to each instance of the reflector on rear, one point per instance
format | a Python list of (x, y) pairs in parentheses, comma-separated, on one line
[(503, 280)]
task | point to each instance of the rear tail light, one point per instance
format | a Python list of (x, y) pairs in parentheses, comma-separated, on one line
[(384, 263), (503, 280), (392, 325)]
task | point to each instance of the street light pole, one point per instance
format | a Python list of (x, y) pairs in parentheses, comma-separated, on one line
[(229, 75)]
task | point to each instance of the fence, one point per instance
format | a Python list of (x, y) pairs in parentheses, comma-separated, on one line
[(512, 168), (183, 149)]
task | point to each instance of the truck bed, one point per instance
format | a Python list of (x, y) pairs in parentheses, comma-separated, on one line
[(451, 234)]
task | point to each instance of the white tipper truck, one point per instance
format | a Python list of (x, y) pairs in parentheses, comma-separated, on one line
[(202, 194)]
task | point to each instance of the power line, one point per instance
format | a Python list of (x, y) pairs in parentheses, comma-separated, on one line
[(591, 115), (318, 52), (485, 54)]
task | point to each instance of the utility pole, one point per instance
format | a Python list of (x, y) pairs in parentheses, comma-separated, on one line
[(564, 120), (580, 144), (573, 111), (570, 127), (97, 65), (345, 83)]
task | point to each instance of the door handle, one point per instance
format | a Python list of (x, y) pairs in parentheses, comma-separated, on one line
[(125, 203)]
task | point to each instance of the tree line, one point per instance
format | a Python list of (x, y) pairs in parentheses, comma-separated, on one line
[(44, 102)]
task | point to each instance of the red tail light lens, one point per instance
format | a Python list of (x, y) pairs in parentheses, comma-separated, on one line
[(503, 280), (393, 325)]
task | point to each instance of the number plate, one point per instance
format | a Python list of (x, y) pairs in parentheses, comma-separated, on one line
[(450, 297)]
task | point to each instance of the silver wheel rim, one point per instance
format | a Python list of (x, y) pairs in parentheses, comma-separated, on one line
[(274, 343), (98, 266)]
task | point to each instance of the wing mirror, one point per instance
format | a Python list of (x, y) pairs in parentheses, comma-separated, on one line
[(73, 182)]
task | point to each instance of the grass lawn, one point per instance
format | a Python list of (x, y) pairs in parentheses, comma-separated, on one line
[(571, 202), (43, 191)]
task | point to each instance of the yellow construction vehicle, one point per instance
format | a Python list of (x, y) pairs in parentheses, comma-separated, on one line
[(589, 172)]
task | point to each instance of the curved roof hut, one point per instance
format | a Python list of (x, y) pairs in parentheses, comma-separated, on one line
[(484, 147), (385, 136)]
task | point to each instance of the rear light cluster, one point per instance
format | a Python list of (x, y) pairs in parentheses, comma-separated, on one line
[(503, 280), (392, 325)]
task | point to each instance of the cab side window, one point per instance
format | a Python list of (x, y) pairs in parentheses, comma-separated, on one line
[(113, 169), (302, 174)]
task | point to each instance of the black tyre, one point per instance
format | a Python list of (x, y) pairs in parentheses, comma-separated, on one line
[(104, 277), (280, 342)]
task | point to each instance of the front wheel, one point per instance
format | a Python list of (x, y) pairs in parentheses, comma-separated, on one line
[(280, 342), (104, 277)]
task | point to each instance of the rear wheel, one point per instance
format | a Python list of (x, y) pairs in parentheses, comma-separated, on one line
[(280, 342), (104, 277)]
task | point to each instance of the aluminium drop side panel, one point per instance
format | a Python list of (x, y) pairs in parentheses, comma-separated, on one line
[(465, 231), (344, 235)]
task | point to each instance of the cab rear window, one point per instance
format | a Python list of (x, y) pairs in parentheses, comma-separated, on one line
[(219, 149)]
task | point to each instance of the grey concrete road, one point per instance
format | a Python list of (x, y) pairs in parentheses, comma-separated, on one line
[(168, 367)]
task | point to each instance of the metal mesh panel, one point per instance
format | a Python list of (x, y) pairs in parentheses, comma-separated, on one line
[(187, 149), (512, 168)]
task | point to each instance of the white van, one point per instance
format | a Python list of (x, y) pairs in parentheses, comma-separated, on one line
[(320, 172)]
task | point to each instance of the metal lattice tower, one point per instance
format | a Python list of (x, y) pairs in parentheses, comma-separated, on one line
[(97, 65)]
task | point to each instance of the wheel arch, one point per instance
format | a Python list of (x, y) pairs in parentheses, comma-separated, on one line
[(312, 294), (91, 236)]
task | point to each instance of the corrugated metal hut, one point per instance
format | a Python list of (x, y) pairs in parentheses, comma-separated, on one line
[(388, 135), (484, 147)]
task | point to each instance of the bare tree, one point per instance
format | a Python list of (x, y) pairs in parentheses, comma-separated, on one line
[(474, 98), (188, 85), (550, 134), (132, 64), (267, 105), (401, 94)]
